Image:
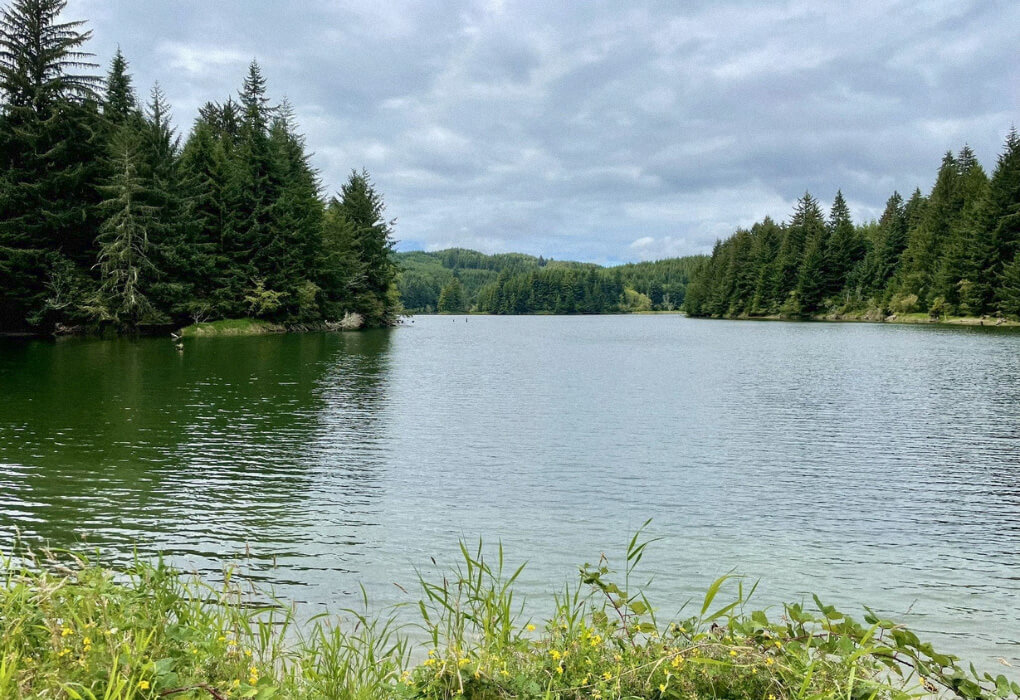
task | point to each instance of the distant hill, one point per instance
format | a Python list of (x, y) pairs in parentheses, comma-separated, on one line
[(458, 280)]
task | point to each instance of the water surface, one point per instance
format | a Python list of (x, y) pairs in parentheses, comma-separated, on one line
[(870, 464)]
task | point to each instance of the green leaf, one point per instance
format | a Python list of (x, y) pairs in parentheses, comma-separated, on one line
[(711, 593)]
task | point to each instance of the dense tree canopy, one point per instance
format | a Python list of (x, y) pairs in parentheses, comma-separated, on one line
[(951, 252), (108, 220), (514, 283)]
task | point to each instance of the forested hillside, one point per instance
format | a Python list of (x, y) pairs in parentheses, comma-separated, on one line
[(458, 280), (108, 219), (952, 252)]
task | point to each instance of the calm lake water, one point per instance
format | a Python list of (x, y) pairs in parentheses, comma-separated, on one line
[(870, 464)]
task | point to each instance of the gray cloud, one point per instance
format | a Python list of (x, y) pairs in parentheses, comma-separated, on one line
[(604, 131)]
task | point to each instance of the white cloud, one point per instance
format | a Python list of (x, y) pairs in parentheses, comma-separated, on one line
[(200, 60), (597, 131)]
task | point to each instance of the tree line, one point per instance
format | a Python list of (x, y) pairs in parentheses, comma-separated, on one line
[(952, 252), (458, 280), (109, 219)]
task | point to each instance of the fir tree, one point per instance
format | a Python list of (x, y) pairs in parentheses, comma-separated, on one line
[(359, 214), (50, 157), (451, 298), (119, 102), (927, 240), (124, 246)]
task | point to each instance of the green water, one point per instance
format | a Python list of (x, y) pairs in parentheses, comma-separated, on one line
[(870, 464)]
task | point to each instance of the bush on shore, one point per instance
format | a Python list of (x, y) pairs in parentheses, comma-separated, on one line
[(73, 629)]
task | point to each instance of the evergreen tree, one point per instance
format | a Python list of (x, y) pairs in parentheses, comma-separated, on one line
[(927, 240), (1002, 217), (1009, 288), (893, 226), (844, 248), (124, 246), (50, 157), (358, 225), (957, 270), (296, 219), (247, 234), (119, 102), (181, 261), (451, 298), (805, 234)]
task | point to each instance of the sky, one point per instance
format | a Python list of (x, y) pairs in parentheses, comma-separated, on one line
[(592, 130)]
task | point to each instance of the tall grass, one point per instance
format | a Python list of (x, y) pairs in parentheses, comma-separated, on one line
[(74, 629)]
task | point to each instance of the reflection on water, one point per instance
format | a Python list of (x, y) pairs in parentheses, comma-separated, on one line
[(200, 454), (869, 464)]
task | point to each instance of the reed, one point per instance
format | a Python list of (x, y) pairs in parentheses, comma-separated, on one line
[(74, 629)]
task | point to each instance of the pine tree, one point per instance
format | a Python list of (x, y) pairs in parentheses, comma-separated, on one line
[(958, 267), (1009, 288), (181, 259), (927, 240), (844, 247), (205, 166), (124, 246), (359, 214), (893, 225), (804, 242), (119, 102), (247, 235), (451, 298), (50, 156), (296, 218), (1003, 220)]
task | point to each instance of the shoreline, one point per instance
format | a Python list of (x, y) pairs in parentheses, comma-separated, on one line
[(863, 317)]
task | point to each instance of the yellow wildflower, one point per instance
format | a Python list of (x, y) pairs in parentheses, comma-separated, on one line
[(559, 669), (555, 654), (143, 685), (733, 652), (606, 676), (65, 632), (64, 652), (530, 628), (662, 687)]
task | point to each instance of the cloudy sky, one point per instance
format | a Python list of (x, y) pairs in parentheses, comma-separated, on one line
[(592, 130)]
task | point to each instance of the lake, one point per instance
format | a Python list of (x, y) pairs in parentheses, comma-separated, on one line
[(870, 464)]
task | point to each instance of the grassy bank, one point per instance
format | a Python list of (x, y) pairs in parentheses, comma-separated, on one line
[(231, 326), (868, 317), (71, 629)]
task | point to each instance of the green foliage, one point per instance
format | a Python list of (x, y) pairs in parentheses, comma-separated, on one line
[(512, 283), (124, 248), (51, 155), (452, 299), (945, 254), (73, 629), (262, 301), (104, 215)]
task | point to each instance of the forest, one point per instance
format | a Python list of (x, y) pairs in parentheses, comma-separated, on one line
[(952, 252), (458, 280), (109, 219)]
